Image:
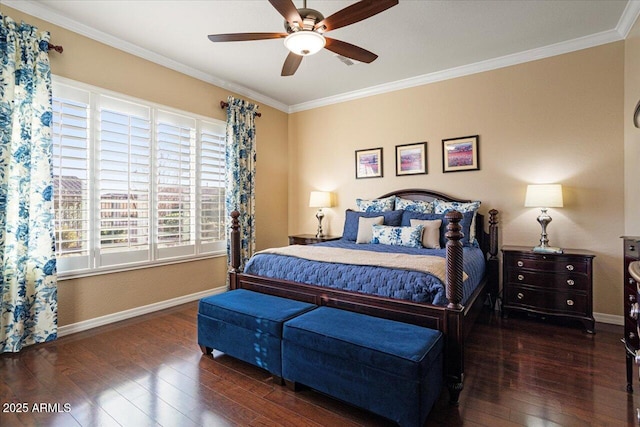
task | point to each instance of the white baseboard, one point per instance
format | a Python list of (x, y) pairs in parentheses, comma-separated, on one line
[(138, 311), (609, 318)]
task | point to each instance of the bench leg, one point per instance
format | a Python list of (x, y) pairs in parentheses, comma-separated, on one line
[(293, 386), (455, 386), (206, 350)]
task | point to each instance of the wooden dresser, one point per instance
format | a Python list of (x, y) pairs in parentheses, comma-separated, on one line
[(630, 295), (558, 285)]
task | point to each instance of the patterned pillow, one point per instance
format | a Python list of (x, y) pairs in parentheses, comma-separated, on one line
[(442, 207), (465, 224), (350, 231), (398, 236), (365, 228), (376, 205), (414, 205), (431, 233)]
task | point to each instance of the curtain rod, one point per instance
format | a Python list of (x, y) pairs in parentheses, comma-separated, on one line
[(58, 49), (226, 104)]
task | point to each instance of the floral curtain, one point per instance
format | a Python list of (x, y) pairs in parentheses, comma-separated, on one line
[(28, 290), (240, 172)]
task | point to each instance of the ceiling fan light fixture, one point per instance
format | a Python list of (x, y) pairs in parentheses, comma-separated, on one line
[(304, 42)]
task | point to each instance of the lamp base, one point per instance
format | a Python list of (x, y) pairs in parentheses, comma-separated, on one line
[(320, 215), (548, 250)]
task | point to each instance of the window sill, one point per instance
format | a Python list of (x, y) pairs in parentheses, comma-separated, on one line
[(123, 268)]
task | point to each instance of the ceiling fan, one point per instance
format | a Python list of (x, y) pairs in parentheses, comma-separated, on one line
[(305, 30)]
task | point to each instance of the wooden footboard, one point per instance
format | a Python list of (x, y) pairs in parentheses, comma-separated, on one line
[(454, 320)]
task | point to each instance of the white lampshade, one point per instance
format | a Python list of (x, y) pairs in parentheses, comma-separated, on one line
[(320, 199), (543, 196), (305, 42)]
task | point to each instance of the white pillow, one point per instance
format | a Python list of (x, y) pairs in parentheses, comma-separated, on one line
[(431, 233), (365, 228)]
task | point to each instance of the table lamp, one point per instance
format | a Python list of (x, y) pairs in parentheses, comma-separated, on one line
[(544, 196), (320, 199)]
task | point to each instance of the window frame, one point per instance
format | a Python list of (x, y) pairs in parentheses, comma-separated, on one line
[(101, 260)]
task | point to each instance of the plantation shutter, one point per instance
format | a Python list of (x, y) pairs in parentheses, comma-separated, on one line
[(70, 135), (124, 182), (212, 187), (176, 185)]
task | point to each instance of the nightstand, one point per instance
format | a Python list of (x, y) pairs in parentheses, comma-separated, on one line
[(557, 285), (308, 239)]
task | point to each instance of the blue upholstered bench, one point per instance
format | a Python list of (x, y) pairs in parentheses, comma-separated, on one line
[(247, 325), (390, 368)]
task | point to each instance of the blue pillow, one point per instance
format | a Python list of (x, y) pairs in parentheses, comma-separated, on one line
[(465, 224), (351, 220)]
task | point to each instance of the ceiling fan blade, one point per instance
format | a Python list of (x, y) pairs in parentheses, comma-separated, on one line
[(350, 50), (291, 64), (242, 37), (287, 9), (354, 13)]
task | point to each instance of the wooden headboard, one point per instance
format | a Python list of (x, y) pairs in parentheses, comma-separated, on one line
[(484, 238), (488, 242)]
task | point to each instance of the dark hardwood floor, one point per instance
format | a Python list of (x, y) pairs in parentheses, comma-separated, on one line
[(150, 371)]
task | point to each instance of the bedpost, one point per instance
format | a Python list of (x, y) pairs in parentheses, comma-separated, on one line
[(454, 334), (454, 260), (493, 264), (234, 242), (493, 233)]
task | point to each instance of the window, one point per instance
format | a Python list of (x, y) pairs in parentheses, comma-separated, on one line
[(135, 184)]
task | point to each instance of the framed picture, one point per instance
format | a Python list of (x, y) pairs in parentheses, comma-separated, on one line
[(369, 163), (460, 154), (411, 159)]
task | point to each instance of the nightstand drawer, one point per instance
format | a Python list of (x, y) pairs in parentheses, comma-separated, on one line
[(560, 282), (558, 302), (554, 263), (631, 248)]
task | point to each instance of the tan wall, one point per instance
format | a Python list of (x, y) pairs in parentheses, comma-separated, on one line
[(556, 120), (88, 61), (631, 133)]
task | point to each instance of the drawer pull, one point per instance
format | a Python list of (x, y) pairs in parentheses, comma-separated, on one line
[(632, 335), (520, 295), (569, 302), (570, 282), (631, 281), (634, 311), (632, 298), (520, 263), (632, 248), (570, 267), (520, 277)]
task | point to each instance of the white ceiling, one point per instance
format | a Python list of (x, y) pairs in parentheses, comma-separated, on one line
[(418, 41)]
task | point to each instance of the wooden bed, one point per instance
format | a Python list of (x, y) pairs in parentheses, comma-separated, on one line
[(454, 319)]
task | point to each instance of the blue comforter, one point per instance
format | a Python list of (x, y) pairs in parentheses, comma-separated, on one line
[(393, 283)]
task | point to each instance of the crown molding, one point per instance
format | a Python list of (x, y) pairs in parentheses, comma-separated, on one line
[(41, 11), (628, 18), (625, 24), (465, 70)]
